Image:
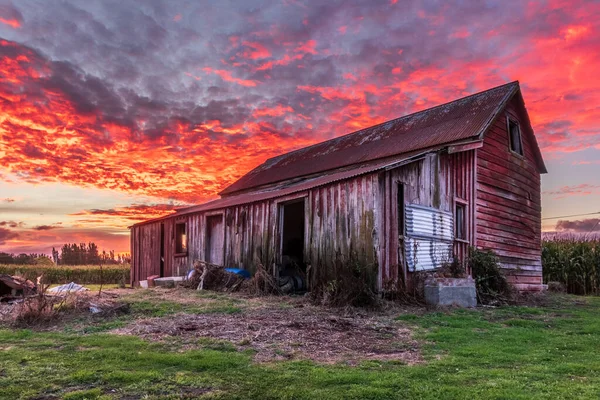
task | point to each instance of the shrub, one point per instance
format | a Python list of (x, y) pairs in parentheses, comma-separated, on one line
[(491, 283), (574, 262), (82, 274)]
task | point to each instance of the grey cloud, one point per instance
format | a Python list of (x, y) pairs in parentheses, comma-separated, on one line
[(583, 226)]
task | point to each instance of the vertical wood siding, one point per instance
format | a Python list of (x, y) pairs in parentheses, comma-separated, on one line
[(508, 205), (426, 183), (145, 251), (459, 171), (215, 239), (341, 223)]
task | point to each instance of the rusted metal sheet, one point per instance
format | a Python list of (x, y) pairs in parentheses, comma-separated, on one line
[(458, 120), (303, 185)]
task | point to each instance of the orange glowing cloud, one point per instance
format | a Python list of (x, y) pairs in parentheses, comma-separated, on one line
[(11, 22), (226, 76)]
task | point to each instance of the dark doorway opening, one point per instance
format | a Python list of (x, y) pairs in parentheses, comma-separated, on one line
[(162, 249), (292, 235), (401, 211)]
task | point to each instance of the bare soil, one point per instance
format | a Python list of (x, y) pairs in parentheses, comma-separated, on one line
[(279, 328)]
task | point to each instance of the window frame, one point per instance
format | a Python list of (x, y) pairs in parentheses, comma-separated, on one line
[(464, 205), (510, 121), (183, 250)]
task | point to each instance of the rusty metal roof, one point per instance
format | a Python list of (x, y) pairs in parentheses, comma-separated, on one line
[(287, 188), (460, 119)]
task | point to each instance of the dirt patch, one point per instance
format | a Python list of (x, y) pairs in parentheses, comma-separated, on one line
[(298, 331)]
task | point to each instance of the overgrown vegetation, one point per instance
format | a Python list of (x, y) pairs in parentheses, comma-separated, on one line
[(574, 262), (492, 286), (82, 274), (352, 283)]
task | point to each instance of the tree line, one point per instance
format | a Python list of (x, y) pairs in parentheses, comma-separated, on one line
[(23, 259), (69, 254)]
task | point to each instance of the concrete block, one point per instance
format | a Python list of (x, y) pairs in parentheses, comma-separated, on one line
[(459, 292)]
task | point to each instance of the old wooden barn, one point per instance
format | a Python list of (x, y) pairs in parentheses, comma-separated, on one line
[(403, 196)]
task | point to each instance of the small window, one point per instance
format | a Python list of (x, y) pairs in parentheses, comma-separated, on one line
[(460, 225), (514, 134), (180, 238)]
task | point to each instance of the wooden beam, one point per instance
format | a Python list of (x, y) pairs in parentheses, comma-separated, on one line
[(465, 147)]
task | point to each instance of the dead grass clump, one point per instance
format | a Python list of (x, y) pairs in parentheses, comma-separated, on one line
[(38, 309), (354, 285), (44, 309), (262, 283)]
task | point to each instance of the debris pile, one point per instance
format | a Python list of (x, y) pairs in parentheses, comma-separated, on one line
[(207, 276), (25, 304), (12, 287)]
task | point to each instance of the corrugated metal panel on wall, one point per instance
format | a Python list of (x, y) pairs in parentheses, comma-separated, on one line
[(430, 233), (429, 223), (427, 254)]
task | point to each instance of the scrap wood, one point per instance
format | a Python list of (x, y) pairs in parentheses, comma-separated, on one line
[(17, 282), (12, 286), (209, 276)]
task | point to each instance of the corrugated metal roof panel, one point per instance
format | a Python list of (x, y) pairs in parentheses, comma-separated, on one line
[(305, 184), (460, 119)]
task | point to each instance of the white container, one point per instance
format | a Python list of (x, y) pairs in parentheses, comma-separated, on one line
[(144, 284)]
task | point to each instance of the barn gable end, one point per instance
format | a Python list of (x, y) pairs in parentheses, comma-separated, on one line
[(508, 209)]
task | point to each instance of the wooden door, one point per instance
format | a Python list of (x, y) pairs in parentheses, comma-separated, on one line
[(215, 239)]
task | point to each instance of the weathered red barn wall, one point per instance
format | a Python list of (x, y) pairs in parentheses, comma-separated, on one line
[(340, 222), (508, 202), (145, 251), (426, 183), (461, 181)]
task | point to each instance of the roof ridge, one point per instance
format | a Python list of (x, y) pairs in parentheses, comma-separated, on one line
[(388, 121)]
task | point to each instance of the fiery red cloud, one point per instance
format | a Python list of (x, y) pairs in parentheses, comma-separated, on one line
[(147, 102), (126, 215)]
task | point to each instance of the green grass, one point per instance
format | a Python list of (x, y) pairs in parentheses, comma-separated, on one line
[(504, 353)]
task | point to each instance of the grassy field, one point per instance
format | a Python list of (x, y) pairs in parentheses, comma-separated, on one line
[(545, 352), (82, 274)]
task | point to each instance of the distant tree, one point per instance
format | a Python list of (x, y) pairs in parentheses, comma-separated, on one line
[(55, 256)]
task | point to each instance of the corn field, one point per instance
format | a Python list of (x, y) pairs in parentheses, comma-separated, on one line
[(82, 274), (573, 262)]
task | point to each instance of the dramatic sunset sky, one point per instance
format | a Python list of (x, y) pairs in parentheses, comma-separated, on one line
[(116, 111)]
